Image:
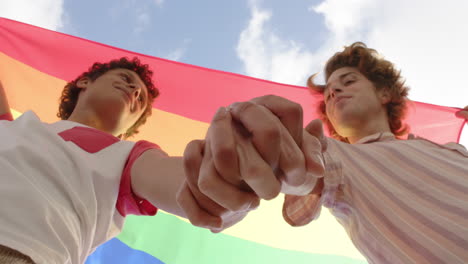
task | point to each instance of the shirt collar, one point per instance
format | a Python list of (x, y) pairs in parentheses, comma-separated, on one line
[(377, 137)]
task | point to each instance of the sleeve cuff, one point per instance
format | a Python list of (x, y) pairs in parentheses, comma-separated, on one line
[(8, 116), (127, 201)]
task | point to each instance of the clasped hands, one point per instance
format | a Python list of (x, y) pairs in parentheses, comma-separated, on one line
[(253, 150)]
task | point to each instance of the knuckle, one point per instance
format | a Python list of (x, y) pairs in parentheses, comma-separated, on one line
[(271, 133), (197, 220), (292, 155), (241, 203), (263, 99), (314, 143), (244, 107), (205, 185), (270, 98), (221, 211), (253, 172), (220, 116), (259, 174), (189, 163), (294, 109), (192, 153), (193, 145), (224, 155), (237, 206), (273, 193)]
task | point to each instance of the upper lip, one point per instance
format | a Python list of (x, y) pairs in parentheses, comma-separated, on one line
[(341, 97)]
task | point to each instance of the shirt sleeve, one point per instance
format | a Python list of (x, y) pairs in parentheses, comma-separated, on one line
[(7, 116), (127, 201), (450, 146), (301, 210)]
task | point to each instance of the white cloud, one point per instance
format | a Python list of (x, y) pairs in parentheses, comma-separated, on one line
[(267, 56), (428, 40), (159, 2), (43, 13), (178, 53), (143, 21), (143, 13)]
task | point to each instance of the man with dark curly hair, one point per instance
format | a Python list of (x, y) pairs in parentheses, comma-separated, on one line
[(78, 180), (66, 187), (72, 91), (400, 200)]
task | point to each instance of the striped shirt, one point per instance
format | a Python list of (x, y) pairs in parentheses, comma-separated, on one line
[(400, 201)]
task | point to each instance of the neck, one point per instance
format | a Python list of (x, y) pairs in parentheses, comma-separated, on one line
[(89, 119), (356, 133)]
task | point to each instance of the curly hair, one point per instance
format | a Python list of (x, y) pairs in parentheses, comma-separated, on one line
[(70, 93), (380, 72)]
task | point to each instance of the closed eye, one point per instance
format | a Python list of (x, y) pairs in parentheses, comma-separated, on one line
[(125, 77)]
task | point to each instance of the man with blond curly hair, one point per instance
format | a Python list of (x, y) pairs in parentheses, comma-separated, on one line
[(400, 200)]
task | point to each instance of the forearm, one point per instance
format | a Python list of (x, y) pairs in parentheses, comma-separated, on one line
[(157, 178)]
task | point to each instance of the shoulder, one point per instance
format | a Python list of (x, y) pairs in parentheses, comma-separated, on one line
[(427, 143)]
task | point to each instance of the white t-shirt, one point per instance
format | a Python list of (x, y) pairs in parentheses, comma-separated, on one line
[(59, 185)]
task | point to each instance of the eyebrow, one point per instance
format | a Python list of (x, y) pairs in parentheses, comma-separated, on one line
[(341, 77), (130, 74)]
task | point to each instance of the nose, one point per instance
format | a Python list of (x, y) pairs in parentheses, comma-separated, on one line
[(135, 90), (335, 90)]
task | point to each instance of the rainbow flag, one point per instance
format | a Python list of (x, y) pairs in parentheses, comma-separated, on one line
[(36, 63)]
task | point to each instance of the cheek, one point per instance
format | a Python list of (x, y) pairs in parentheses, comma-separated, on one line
[(329, 113), (327, 110)]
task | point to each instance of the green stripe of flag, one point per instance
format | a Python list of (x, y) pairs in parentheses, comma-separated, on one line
[(174, 241)]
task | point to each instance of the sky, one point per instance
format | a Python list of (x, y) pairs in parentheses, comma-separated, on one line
[(282, 41)]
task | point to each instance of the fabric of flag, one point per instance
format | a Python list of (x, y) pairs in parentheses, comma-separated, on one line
[(36, 63)]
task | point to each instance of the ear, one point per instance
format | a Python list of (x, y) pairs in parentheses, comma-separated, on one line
[(385, 97), (83, 83)]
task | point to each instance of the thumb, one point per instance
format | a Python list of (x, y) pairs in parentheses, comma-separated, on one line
[(315, 128)]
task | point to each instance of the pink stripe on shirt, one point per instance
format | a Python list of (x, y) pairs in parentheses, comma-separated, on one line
[(7, 117), (128, 202)]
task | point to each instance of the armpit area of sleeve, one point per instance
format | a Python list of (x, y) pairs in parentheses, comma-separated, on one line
[(128, 202), (7, 116), (301, 210)]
